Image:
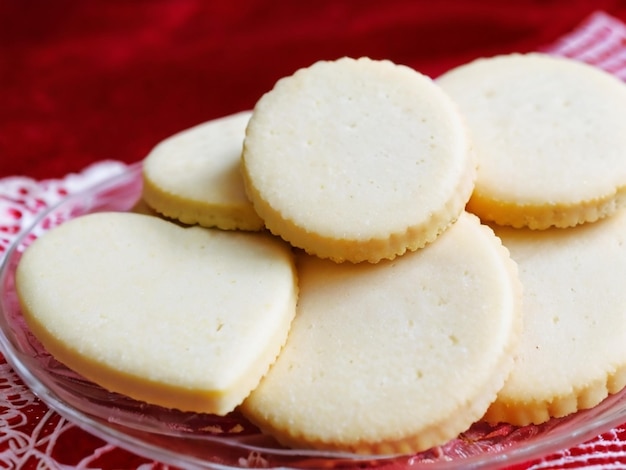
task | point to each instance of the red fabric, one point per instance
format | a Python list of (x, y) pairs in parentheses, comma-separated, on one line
[(85, 81)]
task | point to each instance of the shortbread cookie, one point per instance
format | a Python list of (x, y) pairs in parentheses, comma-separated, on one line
[(397, 356), (187, 318), (573, 350), (549, 135), (357, 160), (195, 177)]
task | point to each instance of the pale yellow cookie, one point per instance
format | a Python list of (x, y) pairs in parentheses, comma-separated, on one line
[(357, 160), (187, 318), (549, 135), (398, 356), (194, 176), (573, 350)]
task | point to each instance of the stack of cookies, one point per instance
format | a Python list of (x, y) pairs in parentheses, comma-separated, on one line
[(369, 261), (550, 138)]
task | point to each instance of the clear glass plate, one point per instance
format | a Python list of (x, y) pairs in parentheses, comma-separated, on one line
[(192, 440)]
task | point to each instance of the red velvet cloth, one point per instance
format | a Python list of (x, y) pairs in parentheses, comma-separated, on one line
[(82, 81)]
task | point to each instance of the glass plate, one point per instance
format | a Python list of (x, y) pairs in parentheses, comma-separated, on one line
[(193, 440)]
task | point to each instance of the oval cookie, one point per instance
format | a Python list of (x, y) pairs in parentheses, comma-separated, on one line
[(194, 176), (398, 356), (572, 352), (357, 160), (187, 318), (549, 135)]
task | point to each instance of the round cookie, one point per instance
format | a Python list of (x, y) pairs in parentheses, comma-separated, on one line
[(357, 160), (187, 318), (549, 134), (194, 176), (572, 352), (398, 356)]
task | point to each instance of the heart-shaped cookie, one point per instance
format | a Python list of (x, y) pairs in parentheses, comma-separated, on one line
[(187, 318)]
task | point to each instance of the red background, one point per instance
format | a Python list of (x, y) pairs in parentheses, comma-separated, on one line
[(82, 81)]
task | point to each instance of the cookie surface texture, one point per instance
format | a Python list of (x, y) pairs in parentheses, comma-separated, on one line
[(357, 160), (187, 318), (398, 356), (194, 176), (572, 352), (549, 134)]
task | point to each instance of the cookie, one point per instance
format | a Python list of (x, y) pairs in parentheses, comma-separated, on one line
[(357, 160), (398, 356), (549, 134), (194, 176), (187, 318), (572, 352)]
